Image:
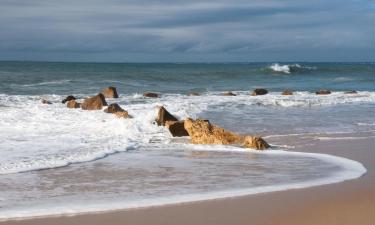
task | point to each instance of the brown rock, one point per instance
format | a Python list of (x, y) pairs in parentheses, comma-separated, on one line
[(323, 92), (176, 128), (94, 103), (113, 108), (46, 102), (68, 98), (203, 132), (351, 92), (109, 92), (150, 95), (255, 142), (122, 114), (287, 92), (229, 93), (259, 91), (164, 116), (73, 104), (193, 94)]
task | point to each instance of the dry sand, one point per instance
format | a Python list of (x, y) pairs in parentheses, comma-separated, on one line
[(347, 203)]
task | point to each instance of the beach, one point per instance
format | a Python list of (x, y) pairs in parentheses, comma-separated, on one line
[(350, 202)]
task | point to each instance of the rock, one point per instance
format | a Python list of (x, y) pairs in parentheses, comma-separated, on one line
[(176, 128), (43, 101), (323, 92), (193, 94), (259, 91), (255, 142), (73, 104), (122, 114), (94, 103), (203, 132), (229, 93), (109, 92), (113, 108), (351, 92), (287, 92), (150, 95), (68, 98), (164, 116)]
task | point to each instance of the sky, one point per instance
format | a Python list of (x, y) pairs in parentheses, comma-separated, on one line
[(187, 31)]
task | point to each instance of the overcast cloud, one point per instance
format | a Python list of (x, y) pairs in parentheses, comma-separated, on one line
[(190, 30)]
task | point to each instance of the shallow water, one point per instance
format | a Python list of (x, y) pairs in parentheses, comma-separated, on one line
[(90, 160)]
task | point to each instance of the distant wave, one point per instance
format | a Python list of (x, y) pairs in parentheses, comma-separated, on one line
[(288, 68), (44, 83)]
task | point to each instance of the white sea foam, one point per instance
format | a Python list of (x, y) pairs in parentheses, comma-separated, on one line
[(349, 169)]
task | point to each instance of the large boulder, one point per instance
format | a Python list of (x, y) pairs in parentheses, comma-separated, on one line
[(94, 103), (113, 108), (68, 98), (176, 128), (255, 142), (203, 132), (287, 92), (259, 91), (323, 92), (164, 116), (73, 104), (150, 95), (229, 93), (109, 92)]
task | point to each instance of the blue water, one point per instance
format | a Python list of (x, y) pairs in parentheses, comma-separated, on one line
[(63, 78)]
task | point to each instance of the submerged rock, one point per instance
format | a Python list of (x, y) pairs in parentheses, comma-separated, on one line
[(43, 101), (73, 104), (193, 94), (94, 103), (259, 91), (122, 114), (229, 93), (109, 92), (203, 132), (150, 95), (351, 92), (323, 92), (287, 92), (255, 142), (68, 98), (164, 116), (176, 128)]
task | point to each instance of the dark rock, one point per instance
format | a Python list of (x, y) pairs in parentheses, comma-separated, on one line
[(43, 101), (113, 108), (259, 91), (351, 92), (150, 95), (323, 92), (68, 98), (176, 128), (164, 116)]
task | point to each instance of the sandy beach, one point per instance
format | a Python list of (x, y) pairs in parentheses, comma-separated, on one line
[(350, 202)]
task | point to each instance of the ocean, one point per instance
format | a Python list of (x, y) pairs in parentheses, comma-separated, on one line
[(55, 160)]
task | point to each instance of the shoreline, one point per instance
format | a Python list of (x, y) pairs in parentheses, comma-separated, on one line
[(152, 213)]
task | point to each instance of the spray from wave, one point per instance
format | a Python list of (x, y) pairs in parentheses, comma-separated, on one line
[(288, 68)]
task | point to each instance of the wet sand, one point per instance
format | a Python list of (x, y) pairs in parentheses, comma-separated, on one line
[(351, 202)]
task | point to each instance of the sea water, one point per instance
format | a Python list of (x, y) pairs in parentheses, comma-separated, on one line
[(55, 160)]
